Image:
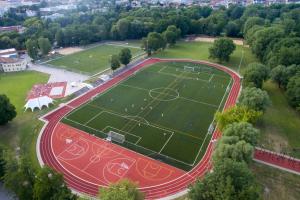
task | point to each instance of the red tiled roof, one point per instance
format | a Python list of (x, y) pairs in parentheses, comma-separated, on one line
[(7, 60)]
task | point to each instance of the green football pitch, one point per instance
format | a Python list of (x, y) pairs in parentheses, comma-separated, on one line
[(93, 60), (164, 111)]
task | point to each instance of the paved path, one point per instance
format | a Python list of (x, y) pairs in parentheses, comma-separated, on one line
[(4, 195), (277, 160), (61, 75)]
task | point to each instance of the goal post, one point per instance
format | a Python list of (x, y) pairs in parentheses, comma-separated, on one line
[(189, 68), (116, 137)]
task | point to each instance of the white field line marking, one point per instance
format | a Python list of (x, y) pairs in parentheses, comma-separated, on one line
[(153, 124), (132, 143), (166, 143), (211, 77), (93, 118), (123, 45), (200, 149), (126, 117), (180, 97), (226, 91), (182, 77), (162, 69)]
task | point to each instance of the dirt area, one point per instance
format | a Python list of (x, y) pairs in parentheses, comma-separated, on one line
[(69, 50), (212, 39)]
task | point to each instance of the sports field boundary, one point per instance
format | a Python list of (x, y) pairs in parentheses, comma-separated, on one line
[(165, 190)]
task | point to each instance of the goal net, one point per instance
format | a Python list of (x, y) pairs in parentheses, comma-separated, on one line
[(188, 68), (116, 137)]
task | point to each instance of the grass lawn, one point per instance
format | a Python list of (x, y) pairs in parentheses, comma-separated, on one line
[(280, 124), (93, 60), (277, 184), (164, 111), (23, 130), (200, 51)]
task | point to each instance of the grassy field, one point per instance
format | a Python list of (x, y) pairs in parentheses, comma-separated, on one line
[(22, 131), (200, 51), (277, 184), (95, 59), (280, 124), (164, 111)]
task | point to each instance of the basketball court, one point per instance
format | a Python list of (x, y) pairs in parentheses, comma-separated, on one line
[(101, 162)]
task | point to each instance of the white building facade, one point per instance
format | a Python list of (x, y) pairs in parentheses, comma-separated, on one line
[(12, 65)]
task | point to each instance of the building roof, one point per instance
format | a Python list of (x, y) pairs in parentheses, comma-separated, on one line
[(8, 60), (8, 51)]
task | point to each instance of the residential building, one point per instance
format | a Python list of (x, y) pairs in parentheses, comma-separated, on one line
[(12, 64)]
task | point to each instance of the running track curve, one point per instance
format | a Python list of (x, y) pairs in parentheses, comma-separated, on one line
[(165, 190)]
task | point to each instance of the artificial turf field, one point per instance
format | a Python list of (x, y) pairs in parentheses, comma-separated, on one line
[(164, 111), (93, 60)]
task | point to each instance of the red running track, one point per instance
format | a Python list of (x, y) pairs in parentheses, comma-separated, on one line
[(277, 160), (83, 183)]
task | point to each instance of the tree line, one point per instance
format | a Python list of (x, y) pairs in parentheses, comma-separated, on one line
[(81, 28)]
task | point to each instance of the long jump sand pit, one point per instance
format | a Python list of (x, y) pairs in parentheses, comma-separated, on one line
[(212, 39), (69, 50)]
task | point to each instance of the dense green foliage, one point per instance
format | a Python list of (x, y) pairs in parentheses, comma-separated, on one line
[(254, 98), (222, 49), (50, 185), (125, 56), (122, 190), (229, 180), (255, 74), (114, 62), (293, 91), (244, 131), (44, 45), (236, 114), (19, 178), (7, 110)]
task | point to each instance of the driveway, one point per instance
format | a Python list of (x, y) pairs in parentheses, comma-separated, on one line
[(61, 75)]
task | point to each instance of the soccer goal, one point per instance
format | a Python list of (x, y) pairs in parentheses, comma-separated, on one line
[(189, 68), (116, 137)]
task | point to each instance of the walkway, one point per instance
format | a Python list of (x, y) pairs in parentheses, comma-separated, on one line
[(61, 75), (277, 160)]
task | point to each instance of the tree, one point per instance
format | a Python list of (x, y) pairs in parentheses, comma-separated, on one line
[(243, 130), (251, 22), (229, 180), (59, 37), (123, 28), (264, 39), (255, 74), (125, 56), (254, 98), (153, 42), (44, 45), (236, 114), (232, 29), (293, 91), (222, 49), (278, 74), (231, 147), (32, 48), (7, 110), (114, 62), (122, 190), (50, 185), (170, 37), (19, 178)]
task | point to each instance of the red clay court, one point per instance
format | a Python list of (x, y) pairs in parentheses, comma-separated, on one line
[(89, 162), (53, 90)]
